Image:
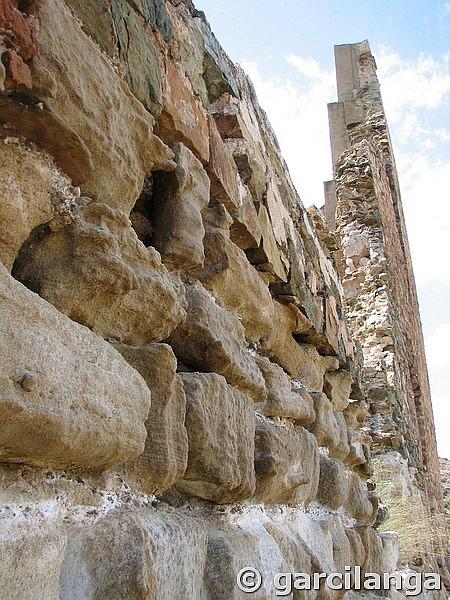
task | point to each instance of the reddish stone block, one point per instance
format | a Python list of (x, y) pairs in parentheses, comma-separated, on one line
[(18, 29), (183, 118), (18, 74)]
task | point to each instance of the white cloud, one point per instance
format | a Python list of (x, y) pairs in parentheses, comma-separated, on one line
[(408, 85), (438, 358)]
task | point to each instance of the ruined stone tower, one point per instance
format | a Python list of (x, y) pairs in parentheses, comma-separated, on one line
[(363, 207), (182, 387)]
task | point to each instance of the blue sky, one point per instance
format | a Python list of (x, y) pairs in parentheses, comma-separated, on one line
[(287, 49)]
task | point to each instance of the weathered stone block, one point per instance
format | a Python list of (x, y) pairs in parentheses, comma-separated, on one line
[(313, 367), (18, 74), (245, 230), (183, 118), (358, 504), (139, 55), (267, 256), (27, 195), (333, 483), (97, 21), (328, 427), (285, 399), (155, 14), (79, 131), (213, 339), (123, 291), (280, 345), (164, 459), (68, 399), (222, 171), (286, 463), (19, 27), (218, 70), (220, 422), (128, 554), (236, 284), (337, 386), (178, 200), (238, 126), (31, 561)]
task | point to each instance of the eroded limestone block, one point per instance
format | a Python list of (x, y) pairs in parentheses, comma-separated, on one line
[(313, 367), (164, 459), (27, 196), (358, 504), (183, 118), (31, 561), (340, 449), (133, 554), (280, 345), (178, 200), (245, 230), (328, 428), (76, 125), (238, 125), (222, 171), (267, 256), (68, 399), (333, 483), (220, 422), (232, 549), (96, 271), (236, 284), (373, 547), (213, 339), (286, 463), (284, 398), (337, 386)]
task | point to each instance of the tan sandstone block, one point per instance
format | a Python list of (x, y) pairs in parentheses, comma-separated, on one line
[(220, 422), (130, 554), (358, 504), (313, 366), (76, 125), (236, 284), (245, 231), (222, 171), (284, 398), (183, 118), (329, 427), (333, 483), (337, 386), (68, 399), (280, 345), (164, 459), (26, 197), (31, 560), (213, 339), (238, 126), (96, 271), (286, 464), (267, 256), (178, 199)]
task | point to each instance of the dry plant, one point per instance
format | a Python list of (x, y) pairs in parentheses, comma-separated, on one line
[(420, 532)]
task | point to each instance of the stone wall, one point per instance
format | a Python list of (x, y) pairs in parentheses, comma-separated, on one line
[(180, 393), (374, 262)]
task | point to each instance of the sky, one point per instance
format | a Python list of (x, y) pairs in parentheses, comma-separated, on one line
[(287, 49)]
